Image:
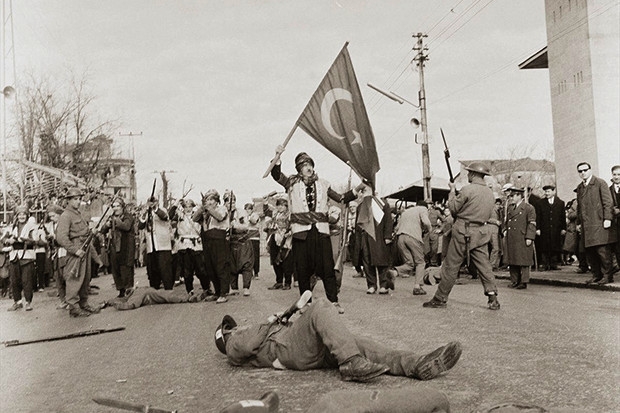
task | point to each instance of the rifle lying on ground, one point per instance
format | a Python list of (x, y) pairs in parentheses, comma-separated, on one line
[(85, 333), (130, 406)]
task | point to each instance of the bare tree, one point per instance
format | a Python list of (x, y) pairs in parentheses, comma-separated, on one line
[(61, 129)]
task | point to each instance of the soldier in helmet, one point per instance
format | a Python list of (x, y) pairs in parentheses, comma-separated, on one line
[(308, 203), (72, 232), (472, 209)]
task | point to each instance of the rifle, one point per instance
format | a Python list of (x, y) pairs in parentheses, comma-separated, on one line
[(298, 305), (130, 406), (446, 154), (149, 217), (86, 244), (85, 333)]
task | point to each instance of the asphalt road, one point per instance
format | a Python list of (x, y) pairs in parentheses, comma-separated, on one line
[(548, 346)]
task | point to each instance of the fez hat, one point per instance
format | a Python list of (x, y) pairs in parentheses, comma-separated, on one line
[(22, 209), (282, 201), (211, 193), (301, 159), (478, 167), (73, 193), (222, 331), (548, 187)]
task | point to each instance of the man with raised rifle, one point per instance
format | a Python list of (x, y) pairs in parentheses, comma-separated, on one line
[(472, 209), (72, 234)]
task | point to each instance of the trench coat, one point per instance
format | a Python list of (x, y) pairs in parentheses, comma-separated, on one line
[(594, 204), (550, 220), (520, 225)]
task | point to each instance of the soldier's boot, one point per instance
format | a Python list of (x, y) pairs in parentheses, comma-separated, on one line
[(493, 304), (438, 361), (359, 368)]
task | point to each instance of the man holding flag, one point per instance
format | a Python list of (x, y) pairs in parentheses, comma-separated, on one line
[(336, 118), (312, 247)]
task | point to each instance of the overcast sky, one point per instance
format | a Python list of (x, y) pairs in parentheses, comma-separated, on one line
[(215, 86)]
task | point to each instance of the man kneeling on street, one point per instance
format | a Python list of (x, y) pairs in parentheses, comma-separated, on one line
[(318, 339)]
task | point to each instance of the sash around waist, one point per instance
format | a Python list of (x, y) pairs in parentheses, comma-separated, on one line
[(308, 218)]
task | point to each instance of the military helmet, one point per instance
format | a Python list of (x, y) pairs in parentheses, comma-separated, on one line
[(222, 332), (73, 193), (478, 167)]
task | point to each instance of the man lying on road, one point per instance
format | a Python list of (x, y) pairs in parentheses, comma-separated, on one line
[(318, 339)]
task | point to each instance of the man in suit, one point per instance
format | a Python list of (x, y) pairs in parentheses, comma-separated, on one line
[(550, 228), (520, 232), (594, 218), (615, 195)]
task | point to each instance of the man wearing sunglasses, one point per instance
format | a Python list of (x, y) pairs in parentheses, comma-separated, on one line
[(594, 218)]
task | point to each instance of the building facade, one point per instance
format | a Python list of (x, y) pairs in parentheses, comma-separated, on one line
[(583, 58)]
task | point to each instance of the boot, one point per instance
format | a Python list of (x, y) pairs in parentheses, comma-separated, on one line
[(75, 311), (435, 303), (361, 369), (438, 361), (493, 303)]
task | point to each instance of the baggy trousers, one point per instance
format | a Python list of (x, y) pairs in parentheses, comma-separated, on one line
[(21, 274), (314, 256), (241, 263), (159, 269), (217, 264)]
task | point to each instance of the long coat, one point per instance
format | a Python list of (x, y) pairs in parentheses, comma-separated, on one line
[(550, 220), (616, 207), (380, 252), (122, 239), (594, 205), (520, 225)]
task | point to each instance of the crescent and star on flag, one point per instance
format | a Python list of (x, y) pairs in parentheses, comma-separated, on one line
[(331, 97)]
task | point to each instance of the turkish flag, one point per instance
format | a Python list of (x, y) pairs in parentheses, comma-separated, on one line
[(336, 118)]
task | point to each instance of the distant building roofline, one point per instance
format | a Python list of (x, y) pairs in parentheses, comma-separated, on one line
[(538, 60)]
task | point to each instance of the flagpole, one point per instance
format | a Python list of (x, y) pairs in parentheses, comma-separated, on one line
[(277, 157), (377, 200)]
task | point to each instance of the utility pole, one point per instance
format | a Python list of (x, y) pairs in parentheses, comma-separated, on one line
[(133, 190), (420, 58)]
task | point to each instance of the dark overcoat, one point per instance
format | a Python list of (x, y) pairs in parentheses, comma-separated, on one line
[(122, 239), (380, 252), (550, 220), (520, 225), (594, 205)]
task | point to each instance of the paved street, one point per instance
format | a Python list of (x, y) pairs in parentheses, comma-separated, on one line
[(552, 346)]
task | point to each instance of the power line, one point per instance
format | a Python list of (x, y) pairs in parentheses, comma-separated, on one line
[(467, 21)]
